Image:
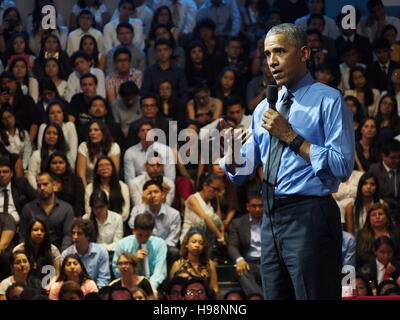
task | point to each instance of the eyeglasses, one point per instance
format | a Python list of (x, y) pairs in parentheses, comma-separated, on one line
[(124, 263), (195, 292)]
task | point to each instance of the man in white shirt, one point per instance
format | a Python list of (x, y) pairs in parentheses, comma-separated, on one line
[(136, 156), (350, 57), (154, 171), (85, 22), (81, 63), (183, 13), (372, 25), (126, 8)]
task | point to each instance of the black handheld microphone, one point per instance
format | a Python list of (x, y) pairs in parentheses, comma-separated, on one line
[(272, 96)]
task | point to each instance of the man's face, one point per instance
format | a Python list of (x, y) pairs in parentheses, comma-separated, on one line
[(130, 100), (351, 57), (324, 76), (392, 160), (163, 52), (89, 87), (98, 109), (317, 24), (143, 131), (45, 186), (313, 41), (154, 167), (315, 6), (125, 36), (82, 65), (78, 237), (123, 63), (175, 292), (149, 108), (234, 49), (142, 235), (85, 21), (383, 55), (5, 176), (378, 11), (287, 62), (255, 207), (156, 196), (125, 11), (236, 112)]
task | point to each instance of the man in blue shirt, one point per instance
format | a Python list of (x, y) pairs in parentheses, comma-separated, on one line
[(150, 250), (301, 234)]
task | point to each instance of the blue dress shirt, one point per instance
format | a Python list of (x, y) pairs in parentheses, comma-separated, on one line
[(319, 114)]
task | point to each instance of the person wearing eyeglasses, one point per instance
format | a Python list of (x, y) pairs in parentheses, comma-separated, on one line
[(197, 289), (244, 245)]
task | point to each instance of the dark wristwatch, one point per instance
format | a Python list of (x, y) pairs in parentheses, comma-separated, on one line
[(296, 143)]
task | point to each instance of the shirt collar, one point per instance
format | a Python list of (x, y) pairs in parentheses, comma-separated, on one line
[(163, 210), (379, 265), (387, 168), (8, 187), (301, 87), (88, 253), (252, 221)]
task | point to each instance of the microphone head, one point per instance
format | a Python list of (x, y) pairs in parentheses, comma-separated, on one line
[(272, 94)]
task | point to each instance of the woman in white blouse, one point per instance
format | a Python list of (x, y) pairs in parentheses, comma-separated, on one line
[(53, 70), (107, 224), (56, 114), (98, 142), (29, 85), (106, 179), (15, 139)]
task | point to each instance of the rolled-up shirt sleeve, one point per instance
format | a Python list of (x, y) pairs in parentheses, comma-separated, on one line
[(335, 159)]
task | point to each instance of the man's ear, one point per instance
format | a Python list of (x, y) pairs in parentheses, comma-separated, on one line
[(305, 53)]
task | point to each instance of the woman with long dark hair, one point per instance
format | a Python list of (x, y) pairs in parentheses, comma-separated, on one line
[(356, 109), (39, 250), (67, 185), (54, 70), (367, 145), (89, 44), (106, 178), (99, 142), (387, 118), (227, 84), (163, 15), (170, 106), (16, 47), (11, 24), (367, 195), (53, 139), (108, 229), (29, 85), (15, 139), (73, 269)]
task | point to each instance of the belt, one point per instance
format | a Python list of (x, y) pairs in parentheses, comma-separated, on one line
[(281, 201)]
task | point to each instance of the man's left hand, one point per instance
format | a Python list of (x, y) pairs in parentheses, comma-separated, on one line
[(277, 126)]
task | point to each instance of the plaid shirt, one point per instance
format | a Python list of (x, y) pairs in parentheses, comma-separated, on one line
[(114, 80)]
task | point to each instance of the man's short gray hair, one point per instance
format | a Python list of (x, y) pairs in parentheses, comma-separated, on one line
[(296, 36)]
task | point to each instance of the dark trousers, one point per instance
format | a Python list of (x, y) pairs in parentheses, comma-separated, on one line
[(301, 251), (251, 281)]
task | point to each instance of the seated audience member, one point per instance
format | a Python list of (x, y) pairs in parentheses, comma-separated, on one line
[(139, 294), (167, 219), (121, 293), (350, 36), (150, 251), (371, 25), (244, 245), (325, 74), (347, 192), (40, 251), (81, 62), (202, 214), (387, 174), (157, 32), (197, 289), (8, 229), (385, 286), (125, 35), (106, 178), (367, 195), (225, 15), (361, 89), (356, 109), (389, 32), (98, 9), (379, 72), (107, 224), (14, 291), (387, 118), (173, 290), (195, 259), (228, 84), (135, 157), (18, 47), (53, 71), (348, 249), (9, 29), (94, 256), (163, 70), (70, 291), (234, 294), (378, 223), (14, 138), (130, 279), (85, 22), (52, 140), (98, 110), (22, 105), (256, 88), (51, 49), (316, 21), (162, 15), (154, 171), (125, 9), (80, 102), (28, 84), (126, 109), (394, 87), (123, 71), (57, 214), (16, 187), (382, 266), (171, 107), (99, 142), (15, 160), (72, 270), (362, 286), (367, 145), (89, 44), (56, 113), (205, 32), (203, 107), (67, 185), (350, 58), (21, 273)]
